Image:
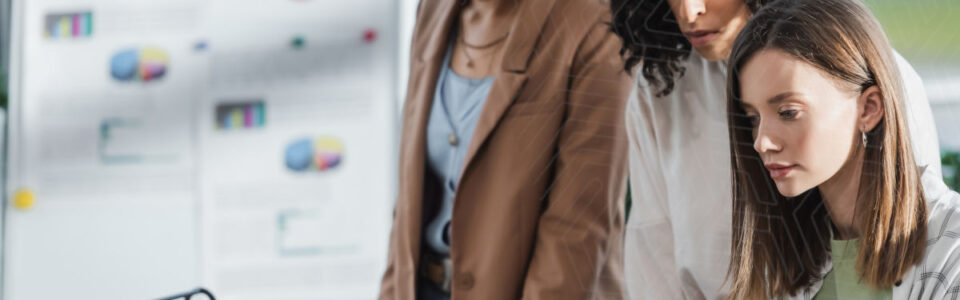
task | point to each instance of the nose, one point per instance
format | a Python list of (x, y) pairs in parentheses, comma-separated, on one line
[(763, 143), (690, 10)]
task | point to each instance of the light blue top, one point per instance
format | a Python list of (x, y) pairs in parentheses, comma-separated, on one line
[(457, 104)]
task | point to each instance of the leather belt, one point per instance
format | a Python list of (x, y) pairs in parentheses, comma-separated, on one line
[(438, 270)]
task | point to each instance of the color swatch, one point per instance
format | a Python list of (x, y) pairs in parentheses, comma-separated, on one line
[(144, 64), (68, 25), (320, 154), (240, 115)]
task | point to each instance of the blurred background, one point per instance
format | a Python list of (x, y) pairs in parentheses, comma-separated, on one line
[(927, 34), (246, 146)]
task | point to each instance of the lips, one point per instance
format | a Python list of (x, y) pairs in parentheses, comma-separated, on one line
[(779, 170), (701, 37)]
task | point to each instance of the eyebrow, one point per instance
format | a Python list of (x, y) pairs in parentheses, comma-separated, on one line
[(775, 99), (780, 97)]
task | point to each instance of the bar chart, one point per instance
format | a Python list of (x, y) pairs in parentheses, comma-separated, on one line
[(242, 115), (68, 25)]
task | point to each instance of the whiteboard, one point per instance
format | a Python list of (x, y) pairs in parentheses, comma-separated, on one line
[(245, 146)]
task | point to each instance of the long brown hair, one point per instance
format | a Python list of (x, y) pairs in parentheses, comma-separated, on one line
[(781, 245)]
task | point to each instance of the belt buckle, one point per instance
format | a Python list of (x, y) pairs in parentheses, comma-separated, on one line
[(447, 277)]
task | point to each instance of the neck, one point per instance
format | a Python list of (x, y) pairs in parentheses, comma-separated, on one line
[(492, 8), (840, 195)]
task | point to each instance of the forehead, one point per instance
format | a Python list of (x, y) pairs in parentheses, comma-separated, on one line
[(771, 72)]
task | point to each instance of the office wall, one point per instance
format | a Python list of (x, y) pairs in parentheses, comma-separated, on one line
[(160, 145)]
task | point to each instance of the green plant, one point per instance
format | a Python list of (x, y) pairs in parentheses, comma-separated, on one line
[(951, 169), (3, 89)]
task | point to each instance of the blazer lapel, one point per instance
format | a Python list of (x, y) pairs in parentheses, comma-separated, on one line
[(428, 51), (524, 35), (434, 30)]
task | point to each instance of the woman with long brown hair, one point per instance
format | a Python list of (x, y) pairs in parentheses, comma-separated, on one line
[(677, 241), (827, 201)]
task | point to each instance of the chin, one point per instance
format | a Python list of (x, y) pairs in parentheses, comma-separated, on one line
[(790, 190), (711, 53)]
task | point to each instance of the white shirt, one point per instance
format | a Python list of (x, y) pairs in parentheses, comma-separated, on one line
[(678, 235)]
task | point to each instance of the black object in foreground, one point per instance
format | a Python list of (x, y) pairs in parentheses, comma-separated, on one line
[(190, 294)]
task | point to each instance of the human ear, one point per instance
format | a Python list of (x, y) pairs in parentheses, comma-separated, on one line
[(870, 108)]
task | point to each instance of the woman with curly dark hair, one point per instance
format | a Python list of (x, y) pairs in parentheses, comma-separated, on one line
[(677, 241)]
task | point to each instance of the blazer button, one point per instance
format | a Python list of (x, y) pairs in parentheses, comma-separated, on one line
[(465, 281)]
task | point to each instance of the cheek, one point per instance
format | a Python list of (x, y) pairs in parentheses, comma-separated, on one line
[(674, 5), (827, 143), (734, 15), (729, 12)]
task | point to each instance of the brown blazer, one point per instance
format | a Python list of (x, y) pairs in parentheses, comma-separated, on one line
[(538, 211)]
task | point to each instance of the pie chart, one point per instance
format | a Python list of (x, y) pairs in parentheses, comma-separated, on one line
[(327, 153), (299, 155), (139, 64), (314, 154)]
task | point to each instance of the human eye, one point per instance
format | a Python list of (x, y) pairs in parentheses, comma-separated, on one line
[(788, 113), (754, 119)]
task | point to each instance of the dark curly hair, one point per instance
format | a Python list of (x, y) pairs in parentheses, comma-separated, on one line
[(650, 34)]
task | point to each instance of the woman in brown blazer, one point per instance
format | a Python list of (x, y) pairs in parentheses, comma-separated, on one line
[(513, 154)]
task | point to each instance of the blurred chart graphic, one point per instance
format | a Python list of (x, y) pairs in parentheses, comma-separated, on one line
[(314, 154), (144, 64), (68, 25), (245, 115)]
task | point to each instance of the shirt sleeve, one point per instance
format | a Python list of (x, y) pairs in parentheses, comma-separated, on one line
[(923, 131), (651, 271), (938, 276)]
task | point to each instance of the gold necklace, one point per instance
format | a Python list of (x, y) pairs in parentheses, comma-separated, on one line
[(466, 45)]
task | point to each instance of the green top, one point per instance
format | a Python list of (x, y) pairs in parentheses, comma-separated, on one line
[(843, 281)]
